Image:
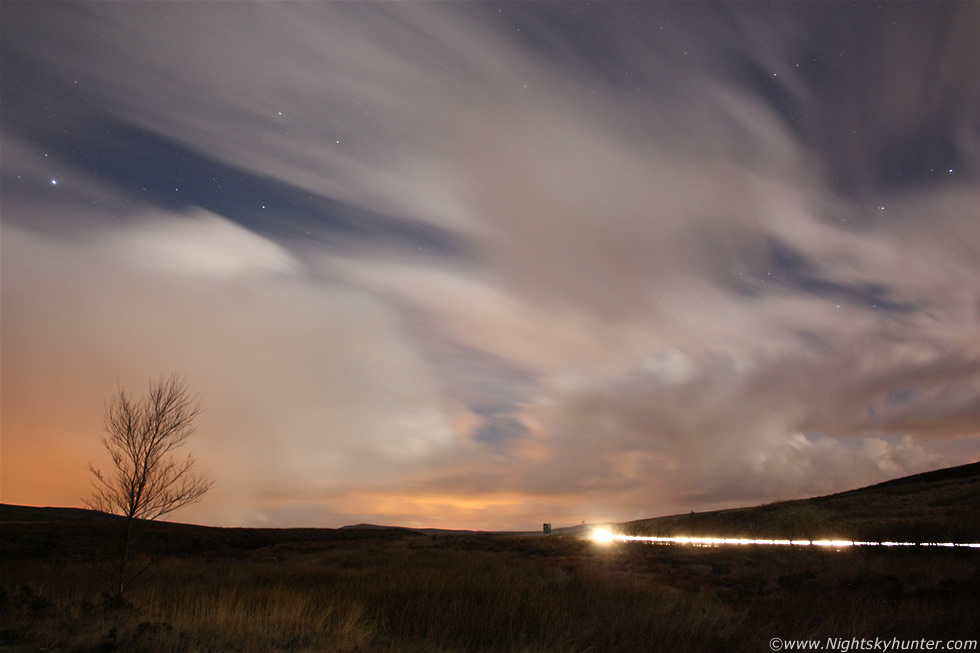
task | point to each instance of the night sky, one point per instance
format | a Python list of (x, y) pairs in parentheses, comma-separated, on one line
[(486, 265)]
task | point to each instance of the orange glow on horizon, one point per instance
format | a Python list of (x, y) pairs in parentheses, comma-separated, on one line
[(55, 474)]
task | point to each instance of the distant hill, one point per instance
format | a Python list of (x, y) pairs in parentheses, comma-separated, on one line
[(456, 531), (937, 506), (941, 505), (424, 531), (76, 533), (14, 513)]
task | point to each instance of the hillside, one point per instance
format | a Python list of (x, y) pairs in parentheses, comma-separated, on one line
[(392, 590), (79, 534), (937, 506), (941, 505)]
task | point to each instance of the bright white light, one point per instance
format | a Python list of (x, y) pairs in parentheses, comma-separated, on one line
[(605, 536), (602, 536)]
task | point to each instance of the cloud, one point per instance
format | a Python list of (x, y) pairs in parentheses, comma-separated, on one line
[(592, 182), (203, 246), (306, 385), (706, 255), (345, 100), (706, 431)]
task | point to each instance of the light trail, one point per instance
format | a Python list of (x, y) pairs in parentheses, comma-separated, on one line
[(605, 536)]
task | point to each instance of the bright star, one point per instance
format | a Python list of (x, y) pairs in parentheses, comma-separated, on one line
[(54, 182)]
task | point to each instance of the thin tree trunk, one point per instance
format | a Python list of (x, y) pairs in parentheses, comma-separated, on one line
[(124, 559)]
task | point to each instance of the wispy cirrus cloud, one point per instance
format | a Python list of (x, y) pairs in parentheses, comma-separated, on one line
[(472, 264)]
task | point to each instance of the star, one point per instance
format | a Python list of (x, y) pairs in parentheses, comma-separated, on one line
[(54, 182)]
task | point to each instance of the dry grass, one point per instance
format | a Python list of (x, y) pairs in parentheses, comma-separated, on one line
[(403, 592)]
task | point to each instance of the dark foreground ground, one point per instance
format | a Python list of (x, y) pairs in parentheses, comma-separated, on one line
[(390, 590)]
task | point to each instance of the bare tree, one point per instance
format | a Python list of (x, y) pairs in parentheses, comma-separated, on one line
[(147, 482)]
